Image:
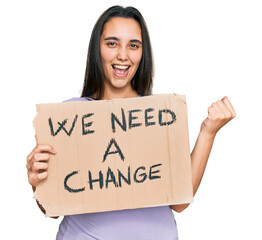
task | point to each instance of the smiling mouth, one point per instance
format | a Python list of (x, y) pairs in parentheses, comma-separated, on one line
[(120, 70)]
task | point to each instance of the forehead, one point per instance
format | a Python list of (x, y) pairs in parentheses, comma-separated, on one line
[(122, 28)]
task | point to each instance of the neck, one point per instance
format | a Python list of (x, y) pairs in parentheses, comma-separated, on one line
[(110, 93)]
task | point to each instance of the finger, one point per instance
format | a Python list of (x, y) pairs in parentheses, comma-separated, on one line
[(34, 179), (40, 157), (39, 167), (216, 106), (224, 109), (42, 176), (45, 148), (229, 105), (212, 112), (41, 148)]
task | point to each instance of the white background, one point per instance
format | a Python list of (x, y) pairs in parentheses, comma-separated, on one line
[(203, 49)]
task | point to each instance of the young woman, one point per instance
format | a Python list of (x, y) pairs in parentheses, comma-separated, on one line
[(120, 65)]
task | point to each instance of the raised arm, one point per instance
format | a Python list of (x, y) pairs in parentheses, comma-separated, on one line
[(219, 113)]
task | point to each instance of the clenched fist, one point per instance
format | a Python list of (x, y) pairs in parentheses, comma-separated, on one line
[(219, 113)]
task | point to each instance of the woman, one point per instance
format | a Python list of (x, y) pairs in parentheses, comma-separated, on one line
[(119, 65)]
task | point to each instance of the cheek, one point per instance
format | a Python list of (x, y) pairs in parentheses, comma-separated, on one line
[(106, 58), (136, 57), (107, 55)]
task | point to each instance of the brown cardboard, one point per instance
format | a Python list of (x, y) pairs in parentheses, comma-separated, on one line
[(152, 146)]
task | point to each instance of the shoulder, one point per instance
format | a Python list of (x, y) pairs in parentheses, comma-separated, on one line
[(74, 99)]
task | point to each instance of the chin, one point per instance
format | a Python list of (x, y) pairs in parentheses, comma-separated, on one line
[(120, 83)]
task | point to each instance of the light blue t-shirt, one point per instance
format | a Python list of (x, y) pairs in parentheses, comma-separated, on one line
[(153, 223)]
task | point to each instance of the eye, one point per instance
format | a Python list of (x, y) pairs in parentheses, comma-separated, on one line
[(133, 45), (111, 44)]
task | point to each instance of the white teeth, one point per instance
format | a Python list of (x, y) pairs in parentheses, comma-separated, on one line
[(121, 67)]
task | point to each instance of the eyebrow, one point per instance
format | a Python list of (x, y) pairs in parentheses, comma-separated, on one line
[(117, 39)]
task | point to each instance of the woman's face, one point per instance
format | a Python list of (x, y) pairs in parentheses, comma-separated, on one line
[(121, 52)]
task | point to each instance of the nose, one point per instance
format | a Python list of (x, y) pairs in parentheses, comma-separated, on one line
[(122, 54)]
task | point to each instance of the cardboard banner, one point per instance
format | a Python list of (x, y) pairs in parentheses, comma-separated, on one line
[(115, 154)]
